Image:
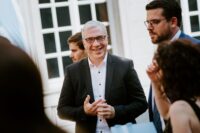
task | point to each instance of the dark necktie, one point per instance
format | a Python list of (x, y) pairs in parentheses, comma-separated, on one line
[(154, 114)]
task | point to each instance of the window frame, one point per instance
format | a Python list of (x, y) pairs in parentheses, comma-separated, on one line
[(186, 17)]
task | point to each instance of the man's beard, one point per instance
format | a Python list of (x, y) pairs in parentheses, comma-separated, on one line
[(163, 37)]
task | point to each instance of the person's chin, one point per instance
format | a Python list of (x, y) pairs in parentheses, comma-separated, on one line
[(97, 53), (99, 56), (154, 40)]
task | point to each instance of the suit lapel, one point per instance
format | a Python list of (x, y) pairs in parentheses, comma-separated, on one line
[(109, 76), (88, 81)]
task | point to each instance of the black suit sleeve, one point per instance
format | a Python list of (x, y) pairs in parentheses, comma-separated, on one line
[(136, 102), (67, 108)]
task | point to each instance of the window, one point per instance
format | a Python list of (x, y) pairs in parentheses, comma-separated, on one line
[(191, 17)]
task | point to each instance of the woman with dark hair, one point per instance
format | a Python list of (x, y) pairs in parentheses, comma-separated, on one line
[(21, 93), (175, 75)]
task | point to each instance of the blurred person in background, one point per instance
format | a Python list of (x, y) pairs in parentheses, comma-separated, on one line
[(21, 93), (76, 47)]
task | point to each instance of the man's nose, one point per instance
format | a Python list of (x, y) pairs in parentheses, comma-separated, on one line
[(149, 27), (96, 42)]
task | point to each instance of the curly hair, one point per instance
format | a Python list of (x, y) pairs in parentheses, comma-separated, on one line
[(180, 63)]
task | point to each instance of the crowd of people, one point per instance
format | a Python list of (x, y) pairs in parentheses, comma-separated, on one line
[(101, 90)]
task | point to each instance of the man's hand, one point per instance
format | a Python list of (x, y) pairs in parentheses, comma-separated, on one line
[(91, 108), (106, 111)]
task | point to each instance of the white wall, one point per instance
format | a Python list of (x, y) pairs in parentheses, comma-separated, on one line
[(136, 41), (11, 24)]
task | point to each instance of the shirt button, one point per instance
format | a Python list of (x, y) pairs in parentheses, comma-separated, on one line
[(100, 120), (100, 84), (99, 95), (99, 72)]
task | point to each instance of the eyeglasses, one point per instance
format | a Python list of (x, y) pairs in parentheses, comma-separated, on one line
[(153, 22), (98, 38)]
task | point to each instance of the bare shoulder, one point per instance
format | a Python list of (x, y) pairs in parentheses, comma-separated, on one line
[(182, 115), (180, 104), (179, 108)]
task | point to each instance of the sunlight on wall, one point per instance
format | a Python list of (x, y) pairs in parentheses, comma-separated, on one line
[(11, 24)]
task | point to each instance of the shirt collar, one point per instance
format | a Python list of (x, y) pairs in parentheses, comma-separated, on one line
[(102, 63), (177, 35)]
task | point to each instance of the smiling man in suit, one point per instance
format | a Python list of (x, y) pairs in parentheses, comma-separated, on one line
[(102, 90), (163, 23)]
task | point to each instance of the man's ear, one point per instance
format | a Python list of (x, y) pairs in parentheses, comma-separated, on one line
[(174, 22)]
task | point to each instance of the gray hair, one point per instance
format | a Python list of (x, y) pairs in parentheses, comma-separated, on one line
[(92, 24)]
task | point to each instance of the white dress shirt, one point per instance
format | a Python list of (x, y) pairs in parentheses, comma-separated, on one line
[(98, 77)]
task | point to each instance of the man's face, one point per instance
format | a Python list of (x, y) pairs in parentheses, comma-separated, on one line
[(95, 42), (157, 25), (76, 53)]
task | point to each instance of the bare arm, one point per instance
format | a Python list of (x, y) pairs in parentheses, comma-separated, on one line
[(161, 99)]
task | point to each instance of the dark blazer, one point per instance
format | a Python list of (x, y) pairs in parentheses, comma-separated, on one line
[(194, 40), (123, 91), (182, 36)]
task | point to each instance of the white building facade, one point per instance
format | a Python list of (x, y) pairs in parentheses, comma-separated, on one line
[(48, 23)]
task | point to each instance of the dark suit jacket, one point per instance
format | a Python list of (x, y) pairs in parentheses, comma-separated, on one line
[(193, 40), (182, 36), (123, 91)]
